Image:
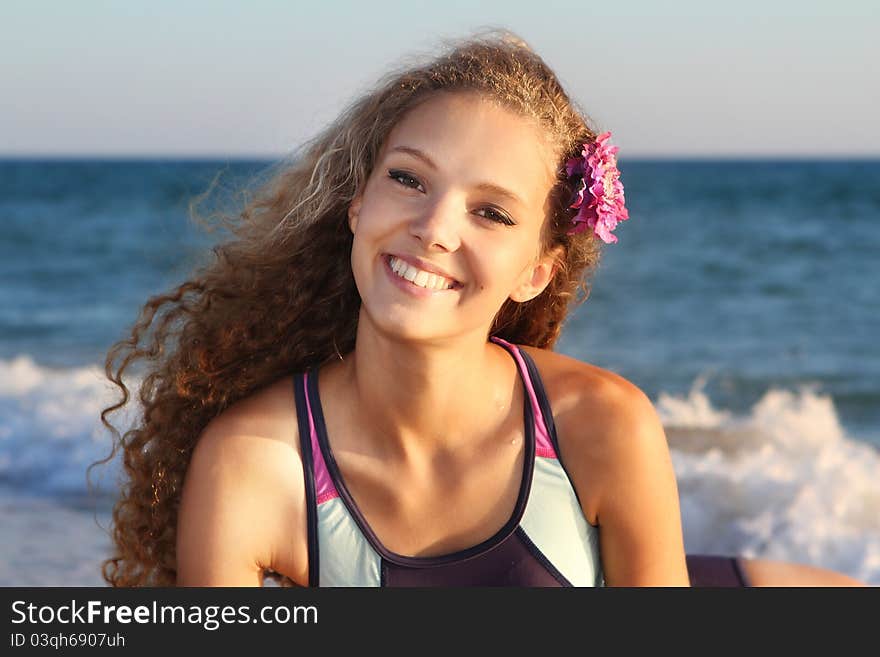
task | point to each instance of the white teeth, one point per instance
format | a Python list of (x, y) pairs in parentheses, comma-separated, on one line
[(419, 277)]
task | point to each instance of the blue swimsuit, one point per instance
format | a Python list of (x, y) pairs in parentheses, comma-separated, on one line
[(545, 542)]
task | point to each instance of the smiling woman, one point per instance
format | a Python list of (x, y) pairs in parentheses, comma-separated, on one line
[(361, 389), (435, 203)]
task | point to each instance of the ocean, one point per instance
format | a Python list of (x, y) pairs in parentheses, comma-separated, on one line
[(742, 297)]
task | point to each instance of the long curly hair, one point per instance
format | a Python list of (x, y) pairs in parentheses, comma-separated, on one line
[(279, 296)]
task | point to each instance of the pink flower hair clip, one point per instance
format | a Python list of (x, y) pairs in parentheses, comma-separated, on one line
[(605, 206)]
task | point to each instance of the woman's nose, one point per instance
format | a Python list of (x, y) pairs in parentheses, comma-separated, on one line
[(438, 225)]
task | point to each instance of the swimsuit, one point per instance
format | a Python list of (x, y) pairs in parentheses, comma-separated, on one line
[(545, 542), (716, 570)]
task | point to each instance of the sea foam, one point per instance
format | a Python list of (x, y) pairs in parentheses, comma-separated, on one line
[(50, 428), (782, 481)]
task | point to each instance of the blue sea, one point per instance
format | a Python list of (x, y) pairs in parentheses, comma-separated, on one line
[(743, 297)]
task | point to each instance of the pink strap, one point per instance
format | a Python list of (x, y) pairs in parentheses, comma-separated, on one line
[(324, 487), (543, 444)]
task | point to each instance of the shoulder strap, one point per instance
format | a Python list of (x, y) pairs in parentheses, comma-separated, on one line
[(547, 414), (545, 431), (305, 442), (543, 401)]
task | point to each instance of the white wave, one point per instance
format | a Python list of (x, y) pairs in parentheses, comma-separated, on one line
[(781, 482), (50, 427)]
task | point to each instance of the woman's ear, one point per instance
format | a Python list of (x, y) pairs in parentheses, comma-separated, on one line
[(354, 210), (537, 276)]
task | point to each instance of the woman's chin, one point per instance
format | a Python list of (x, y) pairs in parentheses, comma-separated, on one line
[(401, 325)]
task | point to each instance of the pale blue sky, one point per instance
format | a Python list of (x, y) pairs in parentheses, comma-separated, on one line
[(778, 77)]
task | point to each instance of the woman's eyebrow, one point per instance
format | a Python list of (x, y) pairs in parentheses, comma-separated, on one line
[(483, 186), (415, 152)]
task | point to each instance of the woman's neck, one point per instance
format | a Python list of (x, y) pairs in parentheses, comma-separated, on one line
[(416, 400)]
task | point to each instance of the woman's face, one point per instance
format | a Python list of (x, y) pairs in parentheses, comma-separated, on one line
[(461, 188)]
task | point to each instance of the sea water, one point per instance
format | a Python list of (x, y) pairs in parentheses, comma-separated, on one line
[(742, 297)]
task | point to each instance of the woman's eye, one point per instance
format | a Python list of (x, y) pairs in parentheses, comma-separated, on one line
[(496, 215), (412, 182), (406, 180)]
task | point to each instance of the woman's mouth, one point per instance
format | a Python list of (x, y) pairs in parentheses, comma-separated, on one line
[(415, 280)]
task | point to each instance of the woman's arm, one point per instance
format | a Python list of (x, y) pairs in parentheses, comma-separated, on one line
[(242, 495), (767, 572), (624, 459), (215, 542)]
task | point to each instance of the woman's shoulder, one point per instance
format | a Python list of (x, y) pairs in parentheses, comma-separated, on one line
[(579, 390), (606, 426), (245, 484), (264, 414), (258, 433)]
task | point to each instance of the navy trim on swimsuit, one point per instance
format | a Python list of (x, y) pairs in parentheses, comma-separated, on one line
[(539, 556), (424, 562), (305, 440), (740, 573), (544, 404)]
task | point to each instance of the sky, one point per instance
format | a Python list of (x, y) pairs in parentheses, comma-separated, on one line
[(187, 78)]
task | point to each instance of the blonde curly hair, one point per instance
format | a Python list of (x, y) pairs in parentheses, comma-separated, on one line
[(279, 295)]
